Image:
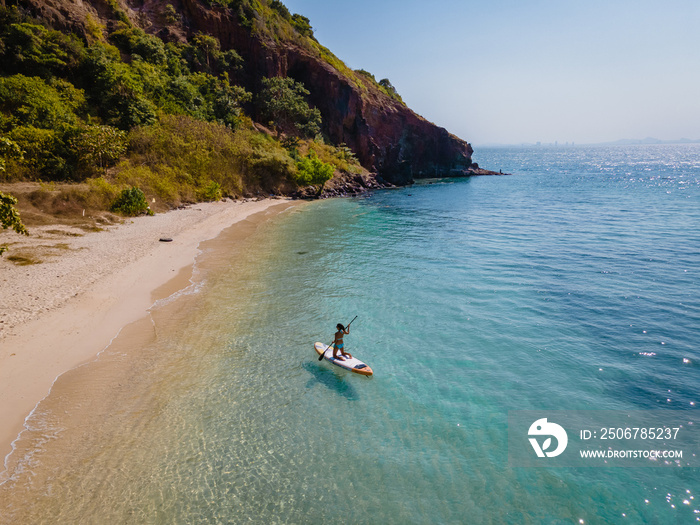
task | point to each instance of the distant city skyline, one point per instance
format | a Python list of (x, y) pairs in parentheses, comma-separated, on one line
[(511, 72)]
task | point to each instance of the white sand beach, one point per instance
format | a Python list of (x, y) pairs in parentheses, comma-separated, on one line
[(61, 312)]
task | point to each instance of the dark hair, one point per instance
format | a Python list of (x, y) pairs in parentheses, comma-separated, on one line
[(340, 326)]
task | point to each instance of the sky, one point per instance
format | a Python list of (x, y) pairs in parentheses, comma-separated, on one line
[(527, 71)]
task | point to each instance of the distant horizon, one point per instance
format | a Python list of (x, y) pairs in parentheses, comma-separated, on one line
[(648, 141), (509, 72)]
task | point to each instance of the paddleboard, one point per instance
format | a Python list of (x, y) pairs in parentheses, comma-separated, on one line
[(353, 364)]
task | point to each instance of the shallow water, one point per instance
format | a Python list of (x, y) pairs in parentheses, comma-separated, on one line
[(571, 285)]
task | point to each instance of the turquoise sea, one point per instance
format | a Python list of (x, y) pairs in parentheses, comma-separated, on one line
[(573, 284)]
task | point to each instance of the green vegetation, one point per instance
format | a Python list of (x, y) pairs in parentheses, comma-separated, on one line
[(9, 216), (183, 160), (312, 170), (281, 9), (35, 50), (97, 146), (143, 122), (68, 106), (340, 157), (389, 89), (383, 85), (9, 149), (131, 201), (302, 25), (283, 102), (171, 15)]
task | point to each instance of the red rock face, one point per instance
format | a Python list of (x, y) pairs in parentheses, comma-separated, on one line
[(386, 136)]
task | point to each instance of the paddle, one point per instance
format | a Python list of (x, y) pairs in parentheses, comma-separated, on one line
[(320, 358)]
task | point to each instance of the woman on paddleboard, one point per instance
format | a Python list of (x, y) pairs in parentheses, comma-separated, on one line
[(338, 343)]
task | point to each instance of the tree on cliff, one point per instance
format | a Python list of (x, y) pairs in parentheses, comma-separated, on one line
[(283, 102), (390, 89), (303, 25)]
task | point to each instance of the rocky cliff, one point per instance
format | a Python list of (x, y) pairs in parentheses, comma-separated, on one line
[(386, 136)]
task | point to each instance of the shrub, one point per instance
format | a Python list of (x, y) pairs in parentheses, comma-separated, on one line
[(102, 190), (281, 9), (341, 157), (97, 146), (312, 170), (170, 14), (302, 25), (9, 149), (93, 29), (210, 192), (44, 152), (383, 85), (118, 12), (9, 216), (389, 89), (133, 40), (366, 73), (131, 202)]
